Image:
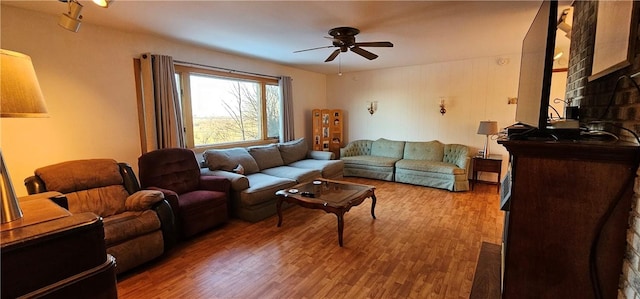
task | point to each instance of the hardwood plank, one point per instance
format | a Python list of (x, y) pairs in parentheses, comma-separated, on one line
[(424, 243), (486, 283)]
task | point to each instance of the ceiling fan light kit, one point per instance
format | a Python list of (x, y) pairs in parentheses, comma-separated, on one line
[(344, 38)]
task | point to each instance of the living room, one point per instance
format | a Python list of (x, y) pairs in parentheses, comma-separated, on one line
[(474, 89), (89, 86)]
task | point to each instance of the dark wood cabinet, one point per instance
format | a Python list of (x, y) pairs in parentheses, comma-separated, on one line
[(51, 253), (565, 229)]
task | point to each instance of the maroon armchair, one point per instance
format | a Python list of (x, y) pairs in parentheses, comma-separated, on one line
[(199, 202)]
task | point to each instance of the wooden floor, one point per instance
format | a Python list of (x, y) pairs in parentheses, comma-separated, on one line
[(424, 243)]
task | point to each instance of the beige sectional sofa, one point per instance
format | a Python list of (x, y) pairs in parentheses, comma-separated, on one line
[(431, 164), (265, 170)]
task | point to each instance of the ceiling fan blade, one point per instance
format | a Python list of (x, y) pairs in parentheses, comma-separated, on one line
[(374, 44), (313, 49), (364, 53), (333, 55)]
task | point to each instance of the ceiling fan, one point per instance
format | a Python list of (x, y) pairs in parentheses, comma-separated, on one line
[(345, 39)]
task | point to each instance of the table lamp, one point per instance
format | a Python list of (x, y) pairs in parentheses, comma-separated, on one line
[(20, 96), (487, 127)]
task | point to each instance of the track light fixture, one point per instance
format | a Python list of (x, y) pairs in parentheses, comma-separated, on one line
[(103, 3), (72, 19)]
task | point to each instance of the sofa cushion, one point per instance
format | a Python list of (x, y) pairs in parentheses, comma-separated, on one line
[(103, 201), (266, 156), (431, 150), (71, 176), (430, 166), (329, 168), (228, 159), (263, 188), (370, 161), (298, 174), (293, 151), (387, 148)]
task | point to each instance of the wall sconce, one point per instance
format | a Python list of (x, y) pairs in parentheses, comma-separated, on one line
[(372, 107), (442, 109)]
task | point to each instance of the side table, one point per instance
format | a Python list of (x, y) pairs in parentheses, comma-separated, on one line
[(493, 163)]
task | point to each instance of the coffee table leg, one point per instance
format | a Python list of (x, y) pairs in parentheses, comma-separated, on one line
[(279, 209), (340, 227), (373, 205)]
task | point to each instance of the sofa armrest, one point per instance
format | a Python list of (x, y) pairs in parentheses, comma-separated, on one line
[(34, 185), (321, 155), (357, 148), (167, 223), (215, 183), (457, 154), (238, 181)]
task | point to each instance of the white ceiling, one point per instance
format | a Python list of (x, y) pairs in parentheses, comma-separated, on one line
[(422, 31)]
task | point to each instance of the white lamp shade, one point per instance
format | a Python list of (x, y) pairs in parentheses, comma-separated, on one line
[(488, 127), (20, 92)]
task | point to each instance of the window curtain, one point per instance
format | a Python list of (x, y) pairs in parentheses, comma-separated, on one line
[(161, 111), (286, 117)]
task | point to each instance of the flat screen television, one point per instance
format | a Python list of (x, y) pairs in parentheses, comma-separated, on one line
[(536, 67)]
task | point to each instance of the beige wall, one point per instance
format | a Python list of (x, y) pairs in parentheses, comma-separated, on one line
[(409, 97), (88, 83)]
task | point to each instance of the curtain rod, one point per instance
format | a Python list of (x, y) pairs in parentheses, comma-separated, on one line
[(224, 69)]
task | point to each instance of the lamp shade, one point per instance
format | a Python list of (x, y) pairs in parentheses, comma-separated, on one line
[(20, 96), (488, 127), (20, 92)]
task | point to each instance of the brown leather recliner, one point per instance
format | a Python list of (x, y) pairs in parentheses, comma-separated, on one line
[(198, 202), (138, 224)]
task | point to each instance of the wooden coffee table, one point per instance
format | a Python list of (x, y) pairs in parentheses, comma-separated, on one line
[(332, 196)]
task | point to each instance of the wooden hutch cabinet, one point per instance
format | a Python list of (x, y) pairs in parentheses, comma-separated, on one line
[(328, 130), (567, 218)]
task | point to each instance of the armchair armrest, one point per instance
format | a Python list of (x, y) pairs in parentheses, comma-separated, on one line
[(321, 155), (215, 183), (167, 223), (143, 200), (170, 196)]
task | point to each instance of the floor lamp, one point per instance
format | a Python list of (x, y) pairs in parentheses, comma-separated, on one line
[(487, 128), (20, 96)]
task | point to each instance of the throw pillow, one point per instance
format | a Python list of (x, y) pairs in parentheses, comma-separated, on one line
[(293, 150), (266, 156), (228, 159), (239, 169)]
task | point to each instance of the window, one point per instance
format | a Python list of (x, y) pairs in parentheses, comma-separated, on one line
[(221, 109)]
